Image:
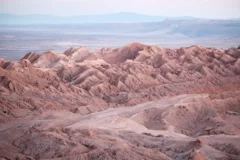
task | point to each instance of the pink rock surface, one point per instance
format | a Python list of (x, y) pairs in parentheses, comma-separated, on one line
[(134, 102)]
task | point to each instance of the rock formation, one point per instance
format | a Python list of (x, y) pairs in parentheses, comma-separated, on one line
[(134, 102)]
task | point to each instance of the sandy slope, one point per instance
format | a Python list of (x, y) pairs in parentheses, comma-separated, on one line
[(198, 132)]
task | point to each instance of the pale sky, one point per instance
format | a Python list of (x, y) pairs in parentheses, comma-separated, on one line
[(172, 8)]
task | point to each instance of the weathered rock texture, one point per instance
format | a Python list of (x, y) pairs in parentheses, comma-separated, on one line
[(134, 102)]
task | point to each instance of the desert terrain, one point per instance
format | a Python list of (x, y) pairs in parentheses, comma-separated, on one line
[(137, 101)]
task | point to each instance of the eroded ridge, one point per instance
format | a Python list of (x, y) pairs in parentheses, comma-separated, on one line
[(134, 102)]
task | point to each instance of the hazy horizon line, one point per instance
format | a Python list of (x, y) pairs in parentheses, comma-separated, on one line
[(116, 13)]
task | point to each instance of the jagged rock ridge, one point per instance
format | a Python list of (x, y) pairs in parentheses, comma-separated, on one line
[(194, 93)]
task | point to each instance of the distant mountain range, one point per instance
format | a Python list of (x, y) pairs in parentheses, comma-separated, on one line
[(176, 27), (122, 17)]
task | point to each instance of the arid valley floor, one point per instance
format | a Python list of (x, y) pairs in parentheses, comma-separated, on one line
[(134, 102)]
